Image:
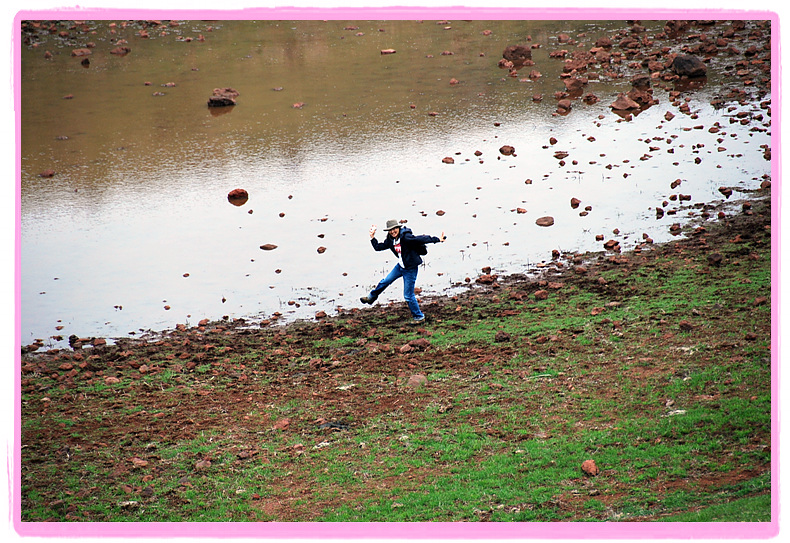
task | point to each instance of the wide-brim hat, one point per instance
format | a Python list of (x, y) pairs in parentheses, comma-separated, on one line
[(392, 224)]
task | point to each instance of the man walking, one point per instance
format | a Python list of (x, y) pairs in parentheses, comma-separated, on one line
[(407, 248)]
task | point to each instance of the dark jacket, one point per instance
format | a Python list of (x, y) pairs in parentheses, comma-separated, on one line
[(408, 246)]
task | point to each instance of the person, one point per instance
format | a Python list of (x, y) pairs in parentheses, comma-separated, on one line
[(407, 248)]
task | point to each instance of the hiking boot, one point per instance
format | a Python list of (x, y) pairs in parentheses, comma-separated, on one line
[(415, 321), (366, 300)]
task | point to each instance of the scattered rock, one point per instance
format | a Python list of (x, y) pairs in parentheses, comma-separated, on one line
[(268, 247), (564, 105), (589, 468), (238, 197), (121, 51), (726, 191), (282, 424), (222, 97), (418, 380), (517, 54), (545, 221), (624, 103), (689, 66)]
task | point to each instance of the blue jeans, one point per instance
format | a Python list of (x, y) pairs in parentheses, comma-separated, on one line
[(409, 279)]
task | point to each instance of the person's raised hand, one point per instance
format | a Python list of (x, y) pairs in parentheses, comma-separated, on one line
[(373, 231)]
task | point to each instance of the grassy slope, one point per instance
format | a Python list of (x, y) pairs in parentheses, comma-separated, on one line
[(656, 366)]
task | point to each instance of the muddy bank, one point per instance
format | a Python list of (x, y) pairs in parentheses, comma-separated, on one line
[(738, 220)]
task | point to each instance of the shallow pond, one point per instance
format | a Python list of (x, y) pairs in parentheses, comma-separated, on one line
[(125, 170)]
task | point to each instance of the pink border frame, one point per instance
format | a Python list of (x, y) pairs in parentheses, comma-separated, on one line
[(441, 531)]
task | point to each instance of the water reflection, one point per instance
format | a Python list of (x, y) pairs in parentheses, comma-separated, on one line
[(133, 229)]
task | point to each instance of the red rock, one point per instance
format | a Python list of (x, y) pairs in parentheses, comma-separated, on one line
[(541, 294), (517, 54), (507, 150), (420, 344), (623, 103), (589, 468), (268, 247), (564, 105), (416, 381), (321, 250), (238, 196), (281, 424), (575, 202), (388, 51), (448, 160), (47, 173), (545, 221)]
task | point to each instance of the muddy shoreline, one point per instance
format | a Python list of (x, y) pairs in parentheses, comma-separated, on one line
[(714, 224)]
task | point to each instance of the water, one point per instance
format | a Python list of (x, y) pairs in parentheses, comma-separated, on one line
[(134, 231)]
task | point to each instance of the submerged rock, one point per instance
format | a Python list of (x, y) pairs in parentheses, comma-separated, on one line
[(223, 97)]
